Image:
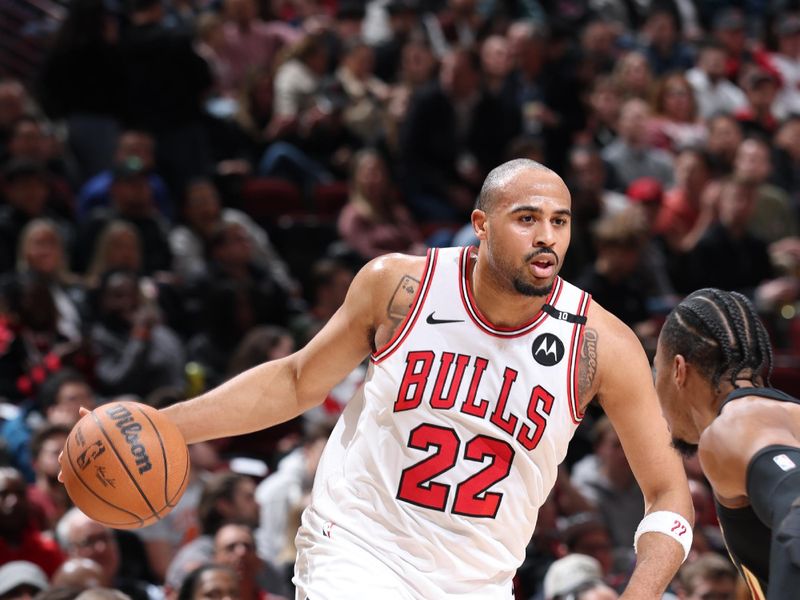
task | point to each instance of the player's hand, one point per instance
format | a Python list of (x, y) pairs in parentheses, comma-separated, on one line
[(82, 412)]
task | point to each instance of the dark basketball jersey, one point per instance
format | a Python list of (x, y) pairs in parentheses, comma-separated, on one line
[(746, 536)]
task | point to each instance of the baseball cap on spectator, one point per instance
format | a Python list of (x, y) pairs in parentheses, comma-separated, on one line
[(128, 169), (645, 190), (729, 20), (790, 25), (570, 573), (21, 573)]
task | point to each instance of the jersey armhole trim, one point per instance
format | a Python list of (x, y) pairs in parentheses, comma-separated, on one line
[(574, 361), (411, 318)]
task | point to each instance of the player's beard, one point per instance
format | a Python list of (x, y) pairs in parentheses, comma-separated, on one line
[(685, 448), (528, 289)]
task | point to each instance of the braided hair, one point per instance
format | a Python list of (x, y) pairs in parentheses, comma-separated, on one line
[(721, 335)]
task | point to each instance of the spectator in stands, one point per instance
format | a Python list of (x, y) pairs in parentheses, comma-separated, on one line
[(675, 124), (19, 537), (661, 44), (633, 76), (724, 137), (774, 218), (496, 63), (210, 581), (363, 95), (281, 494), (47, 497), (32, 346), (683, 217), (729, 28), (591, 200), (713, 91), (631, 155), (452, 135), (136, 353), (374, 221), (605, 479), (163, 90), (604, 103), (577, 577), (709, 576), (26, 188), (34, 140), (203, 214), (131, 201), (786, 63), (235, 547), (42, 252), (728, 256), (21, 580), (57, 404), (786, 174), (81, 537), (250, 43), (758, 116), (118, 247), (80, 81), (14, 103), (226, 497), (328, 285), (587, 533), (131, 145)]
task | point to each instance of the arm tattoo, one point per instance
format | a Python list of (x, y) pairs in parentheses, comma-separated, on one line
[(402, 298), (587, 366)]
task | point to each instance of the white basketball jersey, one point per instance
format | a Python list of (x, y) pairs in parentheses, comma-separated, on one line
[(440, 463)]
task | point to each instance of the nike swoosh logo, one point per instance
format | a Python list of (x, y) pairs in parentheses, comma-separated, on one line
[(431, 320)]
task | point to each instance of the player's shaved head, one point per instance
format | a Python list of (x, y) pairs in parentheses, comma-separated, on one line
[(499, 177)]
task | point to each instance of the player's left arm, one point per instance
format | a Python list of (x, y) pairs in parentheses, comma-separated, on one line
[(753, 450), (626, 392)]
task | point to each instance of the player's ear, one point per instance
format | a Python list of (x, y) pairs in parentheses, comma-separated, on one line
[(479, 224), (679, 369)]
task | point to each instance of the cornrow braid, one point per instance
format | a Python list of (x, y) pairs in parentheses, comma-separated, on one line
[(721, 335)]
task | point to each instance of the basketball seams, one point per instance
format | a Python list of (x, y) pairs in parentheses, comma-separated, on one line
[(163, 452), (77, 474), (99, 423), (181, 486)]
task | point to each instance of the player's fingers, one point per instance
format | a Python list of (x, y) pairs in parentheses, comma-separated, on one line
[(60, 472), (83, 411)]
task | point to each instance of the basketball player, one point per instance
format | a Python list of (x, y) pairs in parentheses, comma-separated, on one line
[(482, 364), (713, 365)]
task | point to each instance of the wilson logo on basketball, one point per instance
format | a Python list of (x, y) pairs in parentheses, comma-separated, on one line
[(129, 428)]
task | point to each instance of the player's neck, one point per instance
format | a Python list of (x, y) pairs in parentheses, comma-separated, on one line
[(502, 305)]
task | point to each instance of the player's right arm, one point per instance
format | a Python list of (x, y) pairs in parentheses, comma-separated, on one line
[(280, 390)]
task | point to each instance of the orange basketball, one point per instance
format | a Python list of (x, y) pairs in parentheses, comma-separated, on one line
[(125, 465)]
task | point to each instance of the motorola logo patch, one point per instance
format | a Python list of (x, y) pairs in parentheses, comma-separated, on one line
[(547, 350)]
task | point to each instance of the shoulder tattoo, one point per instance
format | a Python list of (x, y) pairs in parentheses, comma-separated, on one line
[(402, 299), (587, 366)]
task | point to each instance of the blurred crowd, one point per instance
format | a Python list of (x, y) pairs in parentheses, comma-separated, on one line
[(187, 188)]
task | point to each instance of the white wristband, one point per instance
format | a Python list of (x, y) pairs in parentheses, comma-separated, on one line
[(669, 523)]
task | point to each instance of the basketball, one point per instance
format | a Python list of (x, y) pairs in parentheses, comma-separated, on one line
[(125, 465)]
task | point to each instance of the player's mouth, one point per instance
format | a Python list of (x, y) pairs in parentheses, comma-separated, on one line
[(543, 266)]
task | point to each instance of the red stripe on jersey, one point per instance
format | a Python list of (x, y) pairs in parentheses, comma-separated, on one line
[(411, 318)]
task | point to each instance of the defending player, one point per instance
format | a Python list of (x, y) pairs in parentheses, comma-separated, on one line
[(482, 362), (713, 361)]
